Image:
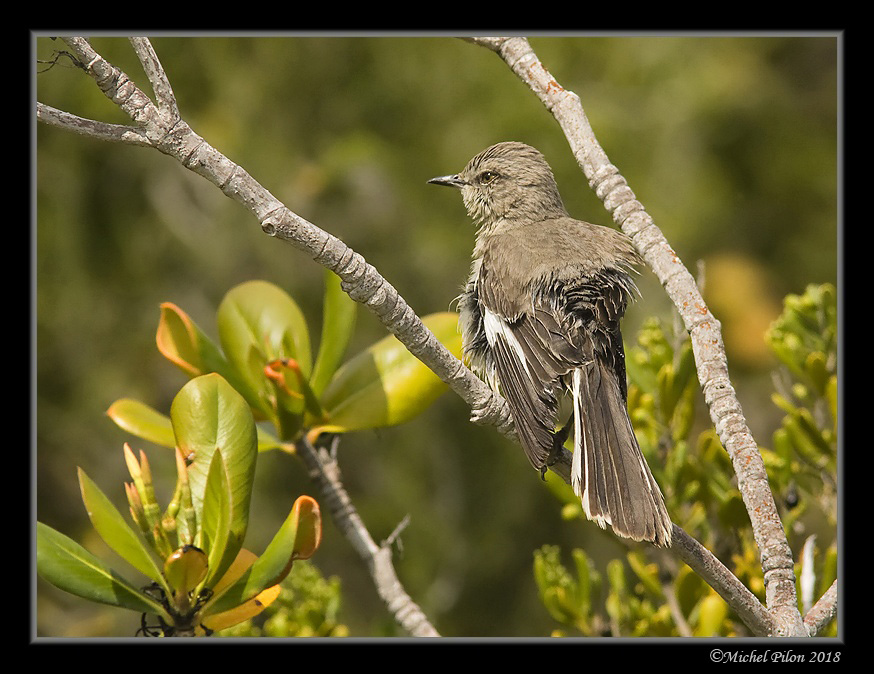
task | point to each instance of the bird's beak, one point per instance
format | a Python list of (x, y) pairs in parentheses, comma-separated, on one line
[(448, 181)]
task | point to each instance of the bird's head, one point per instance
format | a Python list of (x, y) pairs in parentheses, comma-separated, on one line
[(508, 181)]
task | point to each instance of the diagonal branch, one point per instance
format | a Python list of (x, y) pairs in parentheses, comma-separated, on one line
[(164, 95), (735, 593), (704, 329), (162, 128)]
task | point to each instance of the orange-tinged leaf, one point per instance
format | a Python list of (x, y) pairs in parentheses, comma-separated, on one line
[(246, 610), (245, 558), (309, 527), (297, 538), (178, 339)]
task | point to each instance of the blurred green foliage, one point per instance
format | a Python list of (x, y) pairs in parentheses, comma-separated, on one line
[(629, 597), (729, 142), (308, 606)]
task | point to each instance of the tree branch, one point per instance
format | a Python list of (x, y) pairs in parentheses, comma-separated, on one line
[(88, 127), (378, 558), (726, 584), (823, 611), (704, 329), (164, 95)]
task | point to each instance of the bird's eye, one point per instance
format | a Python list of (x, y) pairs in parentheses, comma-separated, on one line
[(486, 177)]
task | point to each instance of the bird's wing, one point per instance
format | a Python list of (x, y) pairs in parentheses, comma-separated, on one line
[(591, 308), (530, 353)]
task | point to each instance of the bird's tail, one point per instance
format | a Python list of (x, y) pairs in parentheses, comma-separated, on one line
[(609, 472)]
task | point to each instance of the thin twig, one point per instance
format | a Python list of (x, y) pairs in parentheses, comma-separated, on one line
[(378, 559), (676, 612), (395, 535), (117, 133), (164, 96)]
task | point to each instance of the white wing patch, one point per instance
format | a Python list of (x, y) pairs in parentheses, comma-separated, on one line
[(496, 327)]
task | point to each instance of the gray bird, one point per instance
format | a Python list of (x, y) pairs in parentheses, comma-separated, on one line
[(540, 321)]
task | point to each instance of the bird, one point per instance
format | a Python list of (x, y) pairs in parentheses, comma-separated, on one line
[(540, 321)]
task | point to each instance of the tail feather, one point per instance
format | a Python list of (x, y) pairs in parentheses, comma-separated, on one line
[(609, 472)]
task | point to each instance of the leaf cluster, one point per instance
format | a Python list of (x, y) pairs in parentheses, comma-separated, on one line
[(803, 457), (201, 577), (264, 351), (625, 599)]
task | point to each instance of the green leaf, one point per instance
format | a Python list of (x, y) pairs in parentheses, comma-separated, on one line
[(712, 612), (184, 344), (668, 393), (831, 394), (208, 414), (113, 529), (803, 336), (685, 365), (647, 573), (386, 385), (217, 521), (267, 441), (298, 538), (143, 421), (808, 442), (70, 567), (147, 423), (259, 323), (688, 588), (784, 404), (338, 322), (828, 572), (586, 578), (817, 371), (616, 603)]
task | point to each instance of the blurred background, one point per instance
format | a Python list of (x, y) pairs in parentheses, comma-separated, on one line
[(731, 144)]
